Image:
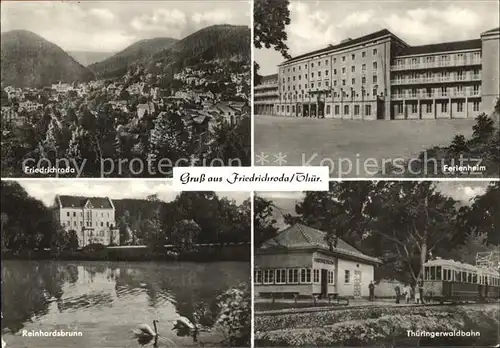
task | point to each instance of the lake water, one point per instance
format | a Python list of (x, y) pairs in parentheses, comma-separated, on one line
[(107, 301)]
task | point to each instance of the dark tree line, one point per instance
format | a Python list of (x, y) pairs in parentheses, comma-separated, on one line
[(193, 217)]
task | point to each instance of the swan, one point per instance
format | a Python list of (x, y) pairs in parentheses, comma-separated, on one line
[(183, 321), (185, 327), (145, 331)]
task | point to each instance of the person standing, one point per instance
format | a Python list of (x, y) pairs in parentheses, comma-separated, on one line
[(407, 293), (417, 294), (398, 293), (371, 287)]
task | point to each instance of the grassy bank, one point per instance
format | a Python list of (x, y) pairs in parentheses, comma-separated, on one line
[(205, 254), (380, 326), (329, 140)]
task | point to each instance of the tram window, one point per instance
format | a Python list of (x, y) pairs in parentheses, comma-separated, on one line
[(445, 275), (438, 273), (450, 274), (426, 270), (433, 273), (457, 276), (464, 277), (474, 278), (469, 277)]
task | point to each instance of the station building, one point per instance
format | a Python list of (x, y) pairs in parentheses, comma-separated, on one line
[(380, 76), (299, 261)]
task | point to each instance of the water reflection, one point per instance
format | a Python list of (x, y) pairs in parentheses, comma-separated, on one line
[(106, 301)]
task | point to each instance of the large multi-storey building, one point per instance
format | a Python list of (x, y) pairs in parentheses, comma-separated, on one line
[(92, 218), (379, 76)]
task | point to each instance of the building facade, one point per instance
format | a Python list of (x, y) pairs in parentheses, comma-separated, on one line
[(266, 95), (298, 261), (92, 218), (379, 76)]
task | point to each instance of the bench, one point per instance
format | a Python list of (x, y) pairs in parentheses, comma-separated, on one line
[(282, 295), (335, 296)]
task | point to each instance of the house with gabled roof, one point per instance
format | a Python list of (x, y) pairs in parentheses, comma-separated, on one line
[(92, 218), (299, 261)]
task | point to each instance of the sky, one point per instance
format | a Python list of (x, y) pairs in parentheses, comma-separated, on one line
[(46, 189), (110, 26), (316, 24), (462, 191)]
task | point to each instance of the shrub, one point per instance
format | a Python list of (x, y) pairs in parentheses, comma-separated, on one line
[(234, 318)]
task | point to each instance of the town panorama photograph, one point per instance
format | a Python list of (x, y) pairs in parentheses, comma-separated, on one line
[(124, 88), (378, 88)]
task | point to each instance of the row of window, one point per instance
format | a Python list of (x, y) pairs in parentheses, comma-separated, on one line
[(290, 276), (318, 62), (459, 57), (327, 83), (88, 214), (460, 75), (88, 223), (328, 94), (444, 90), (326, 72), (328, 111), (428, 107), (440, 273)]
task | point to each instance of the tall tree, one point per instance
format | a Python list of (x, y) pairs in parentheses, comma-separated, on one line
[(264, 222), (415, 217), (270, 20)]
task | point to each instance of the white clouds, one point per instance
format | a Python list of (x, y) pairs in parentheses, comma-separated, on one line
[(281, 195), (306, 24), (428, 25), (220, 16), (108, 40), (111, 25), (46, 189), (356, 19), (102, 14), (170, 22)]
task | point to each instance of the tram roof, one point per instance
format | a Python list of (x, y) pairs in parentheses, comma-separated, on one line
[(461, 266)]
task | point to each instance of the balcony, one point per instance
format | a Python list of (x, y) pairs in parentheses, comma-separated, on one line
[(435, 95), (437, 79), (266, 86), (266, 94), (436, 64)]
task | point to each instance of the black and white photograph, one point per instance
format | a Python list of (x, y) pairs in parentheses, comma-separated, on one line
[(378, 264), (124, 88), (125, 264), (378, 89)]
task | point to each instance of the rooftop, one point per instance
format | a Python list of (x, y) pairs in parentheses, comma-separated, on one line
[(409, 50), (372, 36), (442, 47), (81, 201), (299, 236)]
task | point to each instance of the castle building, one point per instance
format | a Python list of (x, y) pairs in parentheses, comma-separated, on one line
[(379, 76), (92, 218)]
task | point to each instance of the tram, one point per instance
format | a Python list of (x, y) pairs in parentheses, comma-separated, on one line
[(448, 280)]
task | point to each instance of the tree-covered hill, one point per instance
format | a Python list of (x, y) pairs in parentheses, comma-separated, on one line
[(28, 60)]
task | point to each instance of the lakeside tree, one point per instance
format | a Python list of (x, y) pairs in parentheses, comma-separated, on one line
[(270, 20), (72, 240), (184, 235)]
